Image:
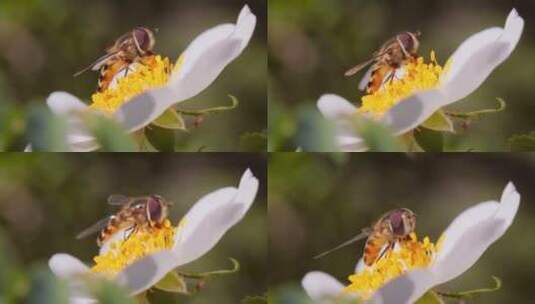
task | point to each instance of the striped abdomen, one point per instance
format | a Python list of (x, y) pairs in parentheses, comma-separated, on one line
[(373, 248), (108, 72)]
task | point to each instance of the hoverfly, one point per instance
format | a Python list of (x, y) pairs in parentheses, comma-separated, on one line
[(127, 49), (394, 226), (135, 213), (385, 61)]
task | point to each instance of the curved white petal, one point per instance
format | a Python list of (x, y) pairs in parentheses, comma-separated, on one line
[(207, 56), (212, 216), (321, 287), (145, 108), (472, 232), (204, 225), (413, 111), (80, 300), (479, 55), (146, 272), (62, 103), (405, 289), (335, 107), (66, 266)]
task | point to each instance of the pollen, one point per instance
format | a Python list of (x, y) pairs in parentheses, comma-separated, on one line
[(152, 72), (409, 254), (417, 76), (139, 244)]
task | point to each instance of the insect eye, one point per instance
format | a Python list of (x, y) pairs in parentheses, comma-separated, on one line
[(154, 209), (143, 38)]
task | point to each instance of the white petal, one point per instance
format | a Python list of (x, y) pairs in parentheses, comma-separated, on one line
[(321, 287), (335, 107), (413, 111), (360, 266), (62, 103), (479, 55), (211, 217), (66, 266), (145, 108), (207, 56), (146, 272), (472, 232), (405, 289), (80, 300)]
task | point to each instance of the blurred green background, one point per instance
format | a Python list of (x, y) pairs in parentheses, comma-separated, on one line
[(46, 199), (317, 201), (313, 42), (43, 43)]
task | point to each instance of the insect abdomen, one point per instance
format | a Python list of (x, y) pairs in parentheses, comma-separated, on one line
[(377, 78), (373, 248), (108, 72)]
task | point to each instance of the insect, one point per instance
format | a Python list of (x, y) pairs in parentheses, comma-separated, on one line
[(135, 213), (385, 61), (392, 227), (127, 49)]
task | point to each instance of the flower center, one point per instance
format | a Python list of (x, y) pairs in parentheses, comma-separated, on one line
[(151, 72), (417, 76), (408, 255), (139, 244)]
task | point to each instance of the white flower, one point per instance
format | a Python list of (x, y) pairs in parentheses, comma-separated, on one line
[(463, 243), (141, 103), (466, 70), (198, 232)]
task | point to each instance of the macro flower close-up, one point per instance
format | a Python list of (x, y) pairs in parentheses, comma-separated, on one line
[(420, 90), (140, 259), (415, 266), (140, 93)]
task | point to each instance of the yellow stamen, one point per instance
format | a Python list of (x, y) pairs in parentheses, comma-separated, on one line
[(151, 72), (418, 76), (410, 254), (138, 245)]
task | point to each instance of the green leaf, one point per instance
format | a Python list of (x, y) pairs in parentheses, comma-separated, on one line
[(47, 289), (471, 294), (254, 300), (430, 297), (170, 119), (109, 134), (162, 140), (429, 141), (439, 121), (522, 143), (253, 142), (377, 137), (46, 131), (173, 282)]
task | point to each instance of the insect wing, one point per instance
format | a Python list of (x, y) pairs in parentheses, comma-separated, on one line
[(95, 66), (118, 200), (98, 226), (359, 67), (366, 79), (364, 234)]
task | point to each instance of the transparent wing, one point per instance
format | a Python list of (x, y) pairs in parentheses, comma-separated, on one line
[(366, 79), (95, 66), (364, 234), (98, 226), (354, 70), (118, 200)]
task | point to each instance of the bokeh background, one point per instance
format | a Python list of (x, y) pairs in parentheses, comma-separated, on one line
[(46, 200), (43, 43), (317, 201), (313, 42)]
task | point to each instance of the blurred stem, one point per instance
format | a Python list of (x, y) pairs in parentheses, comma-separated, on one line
[(203, 275), (142, 298), (213, 110), (477, 114)]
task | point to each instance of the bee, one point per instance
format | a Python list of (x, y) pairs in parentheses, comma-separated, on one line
[(135, 214), (391, 228), (391, 56), (129, 48)]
